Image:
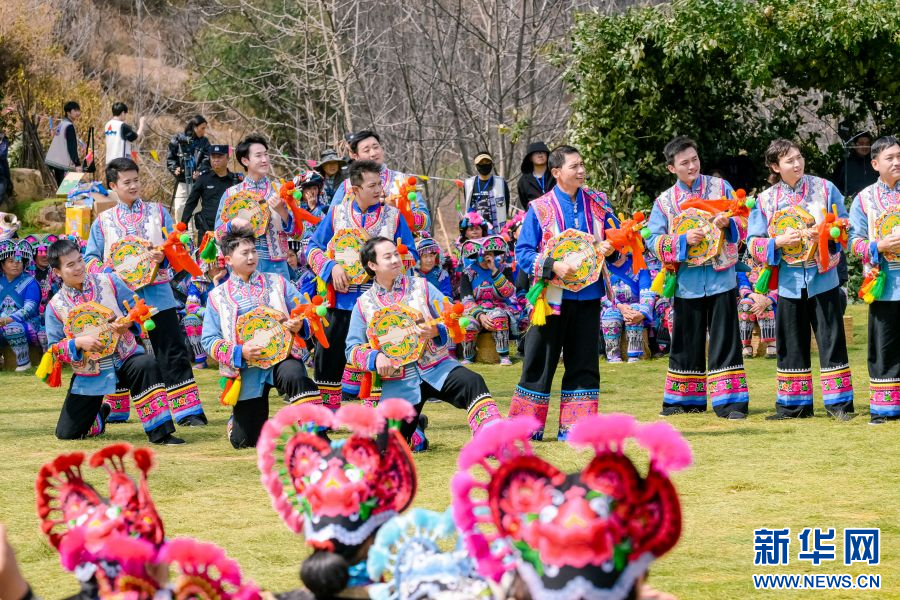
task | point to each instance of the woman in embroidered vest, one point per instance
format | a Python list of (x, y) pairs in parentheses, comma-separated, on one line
[(20, 298), (363, 216), (47, 280), (84, 413), (755, 308), (877, 243), (434, 374), (146, 220), (246, 290), (705, 303), (809, 294), (573, 327), (631, 310)]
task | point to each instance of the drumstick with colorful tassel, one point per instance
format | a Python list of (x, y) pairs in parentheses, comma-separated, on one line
[(628, 238), (312, 311)]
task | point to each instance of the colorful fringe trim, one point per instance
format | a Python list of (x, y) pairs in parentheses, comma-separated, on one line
[(120, 406), (575, 405), (884, 398), (686, 389), (728, 386), (152, 406), (482, 412), (837, 385), (794, 388), (184, 400), (535, 404)]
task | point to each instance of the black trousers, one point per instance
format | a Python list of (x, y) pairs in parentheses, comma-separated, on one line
[(170, 346), (692, 375), (794, 319), (460, 389), (249, 416), (329, 362), (884, 359), (139, 373)]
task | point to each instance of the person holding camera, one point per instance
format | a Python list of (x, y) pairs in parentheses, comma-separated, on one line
[(188, 158)]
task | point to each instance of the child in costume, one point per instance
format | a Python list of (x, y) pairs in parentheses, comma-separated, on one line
[(632, 309), (875, 239), (20, 298), (787, 218), (337, 493), (84, 412), (241, 360), (585, 535), (47, 280), (430, 373), (116, 547), (132, 217), (756, 309), (488, 293), (471, 227), (430, 266)]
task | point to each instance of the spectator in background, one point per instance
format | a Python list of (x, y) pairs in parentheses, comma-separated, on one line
[(119, 134), (208, 190), (188, 158), (62, 155), (536, 179), (6, 184), (855, 172), (486, 193), (331, 168)]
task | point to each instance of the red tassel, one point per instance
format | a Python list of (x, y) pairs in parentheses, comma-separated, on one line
[(365, 386), (55, 379), (331, 298), (773, 280)]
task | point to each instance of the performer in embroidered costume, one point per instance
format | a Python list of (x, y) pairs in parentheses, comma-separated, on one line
[(334, 257), (590, 534), (253, 154), (128, 366), (366, 145), (134, 218), (756, 309), (784, 233), (875, 239), (433, 374), (704, 251), (337, 493), (430, 266), (632, 310), (47, 280), (116, 546), (573, 327), (488, 293), (20, 298), (244, 359)]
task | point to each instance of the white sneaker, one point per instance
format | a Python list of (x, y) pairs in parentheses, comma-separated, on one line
[(23, 368)]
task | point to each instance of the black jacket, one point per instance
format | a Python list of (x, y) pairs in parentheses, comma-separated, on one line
[(194, 150), (208, 190), (528, 187)]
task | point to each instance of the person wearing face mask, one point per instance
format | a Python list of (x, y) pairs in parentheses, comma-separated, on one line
[(486, 193), (809, 295)]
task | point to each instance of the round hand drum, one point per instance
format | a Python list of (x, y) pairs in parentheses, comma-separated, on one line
[(262, 327), (575, 248), (92, 319), (885, 225), (344, 248), (130, 259), (249, 206), (708, 247), (797, 218), (393, 330)]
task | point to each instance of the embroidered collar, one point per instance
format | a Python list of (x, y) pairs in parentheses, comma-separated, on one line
[(253, 288), (884, 187), (257, 186), (391, 296), (137, 207), (697, 186), (795, 194), (76, 296)]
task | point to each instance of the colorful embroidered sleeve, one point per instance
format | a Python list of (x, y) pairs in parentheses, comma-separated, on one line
[(223, 351), (316, 255), (737, 230), (744, 287), (668, 248), (56, 338), (433, 294), (31, 301), (860, 244), (93, 250), (467, 295), (759, 244), (359, 353), (530, 236), (221, 226), (503, 283)]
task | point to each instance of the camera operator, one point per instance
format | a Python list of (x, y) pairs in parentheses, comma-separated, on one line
[(188, 158)]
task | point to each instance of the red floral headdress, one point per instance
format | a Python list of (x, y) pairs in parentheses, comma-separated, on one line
[(588, 534), (337, 490)]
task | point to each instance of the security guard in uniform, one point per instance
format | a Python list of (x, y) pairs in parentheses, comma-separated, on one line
[(208, 190)]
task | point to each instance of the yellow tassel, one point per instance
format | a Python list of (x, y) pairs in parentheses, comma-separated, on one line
[(321, 286), (868, 298), (231, 395), (658, 283), (541, 310), (43, 370)]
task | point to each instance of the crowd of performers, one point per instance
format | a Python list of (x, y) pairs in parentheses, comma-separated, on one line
[(355, 299)]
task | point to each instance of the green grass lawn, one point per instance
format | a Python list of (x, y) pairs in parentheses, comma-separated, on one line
[(747, 474)]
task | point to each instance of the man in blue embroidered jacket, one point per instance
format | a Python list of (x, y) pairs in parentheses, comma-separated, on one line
[(705, 294), (334, 261), (133, 217), (84, 413), (248, 289), (574, 327), (433, 374)]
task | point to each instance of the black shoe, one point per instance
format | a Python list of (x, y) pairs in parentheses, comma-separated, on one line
[(736, 416), (668, 411), (840, 415), (170, 440), (192, 421), (779, 417), (877, 421), (105, 409)]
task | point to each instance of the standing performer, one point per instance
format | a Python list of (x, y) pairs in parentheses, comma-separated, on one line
[(126, 365), (433, 374), (573, 325), (20, 298), (703, 249), (271, 244), (755, 308), (133, 220), (784, 234), (875, 239), (334, 257), (257, 364)]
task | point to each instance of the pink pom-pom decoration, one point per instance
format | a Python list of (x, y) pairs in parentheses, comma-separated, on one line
[(500, 436), (360, 419), (603, 432), (305, 413), (669, 451), (396, 409)]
